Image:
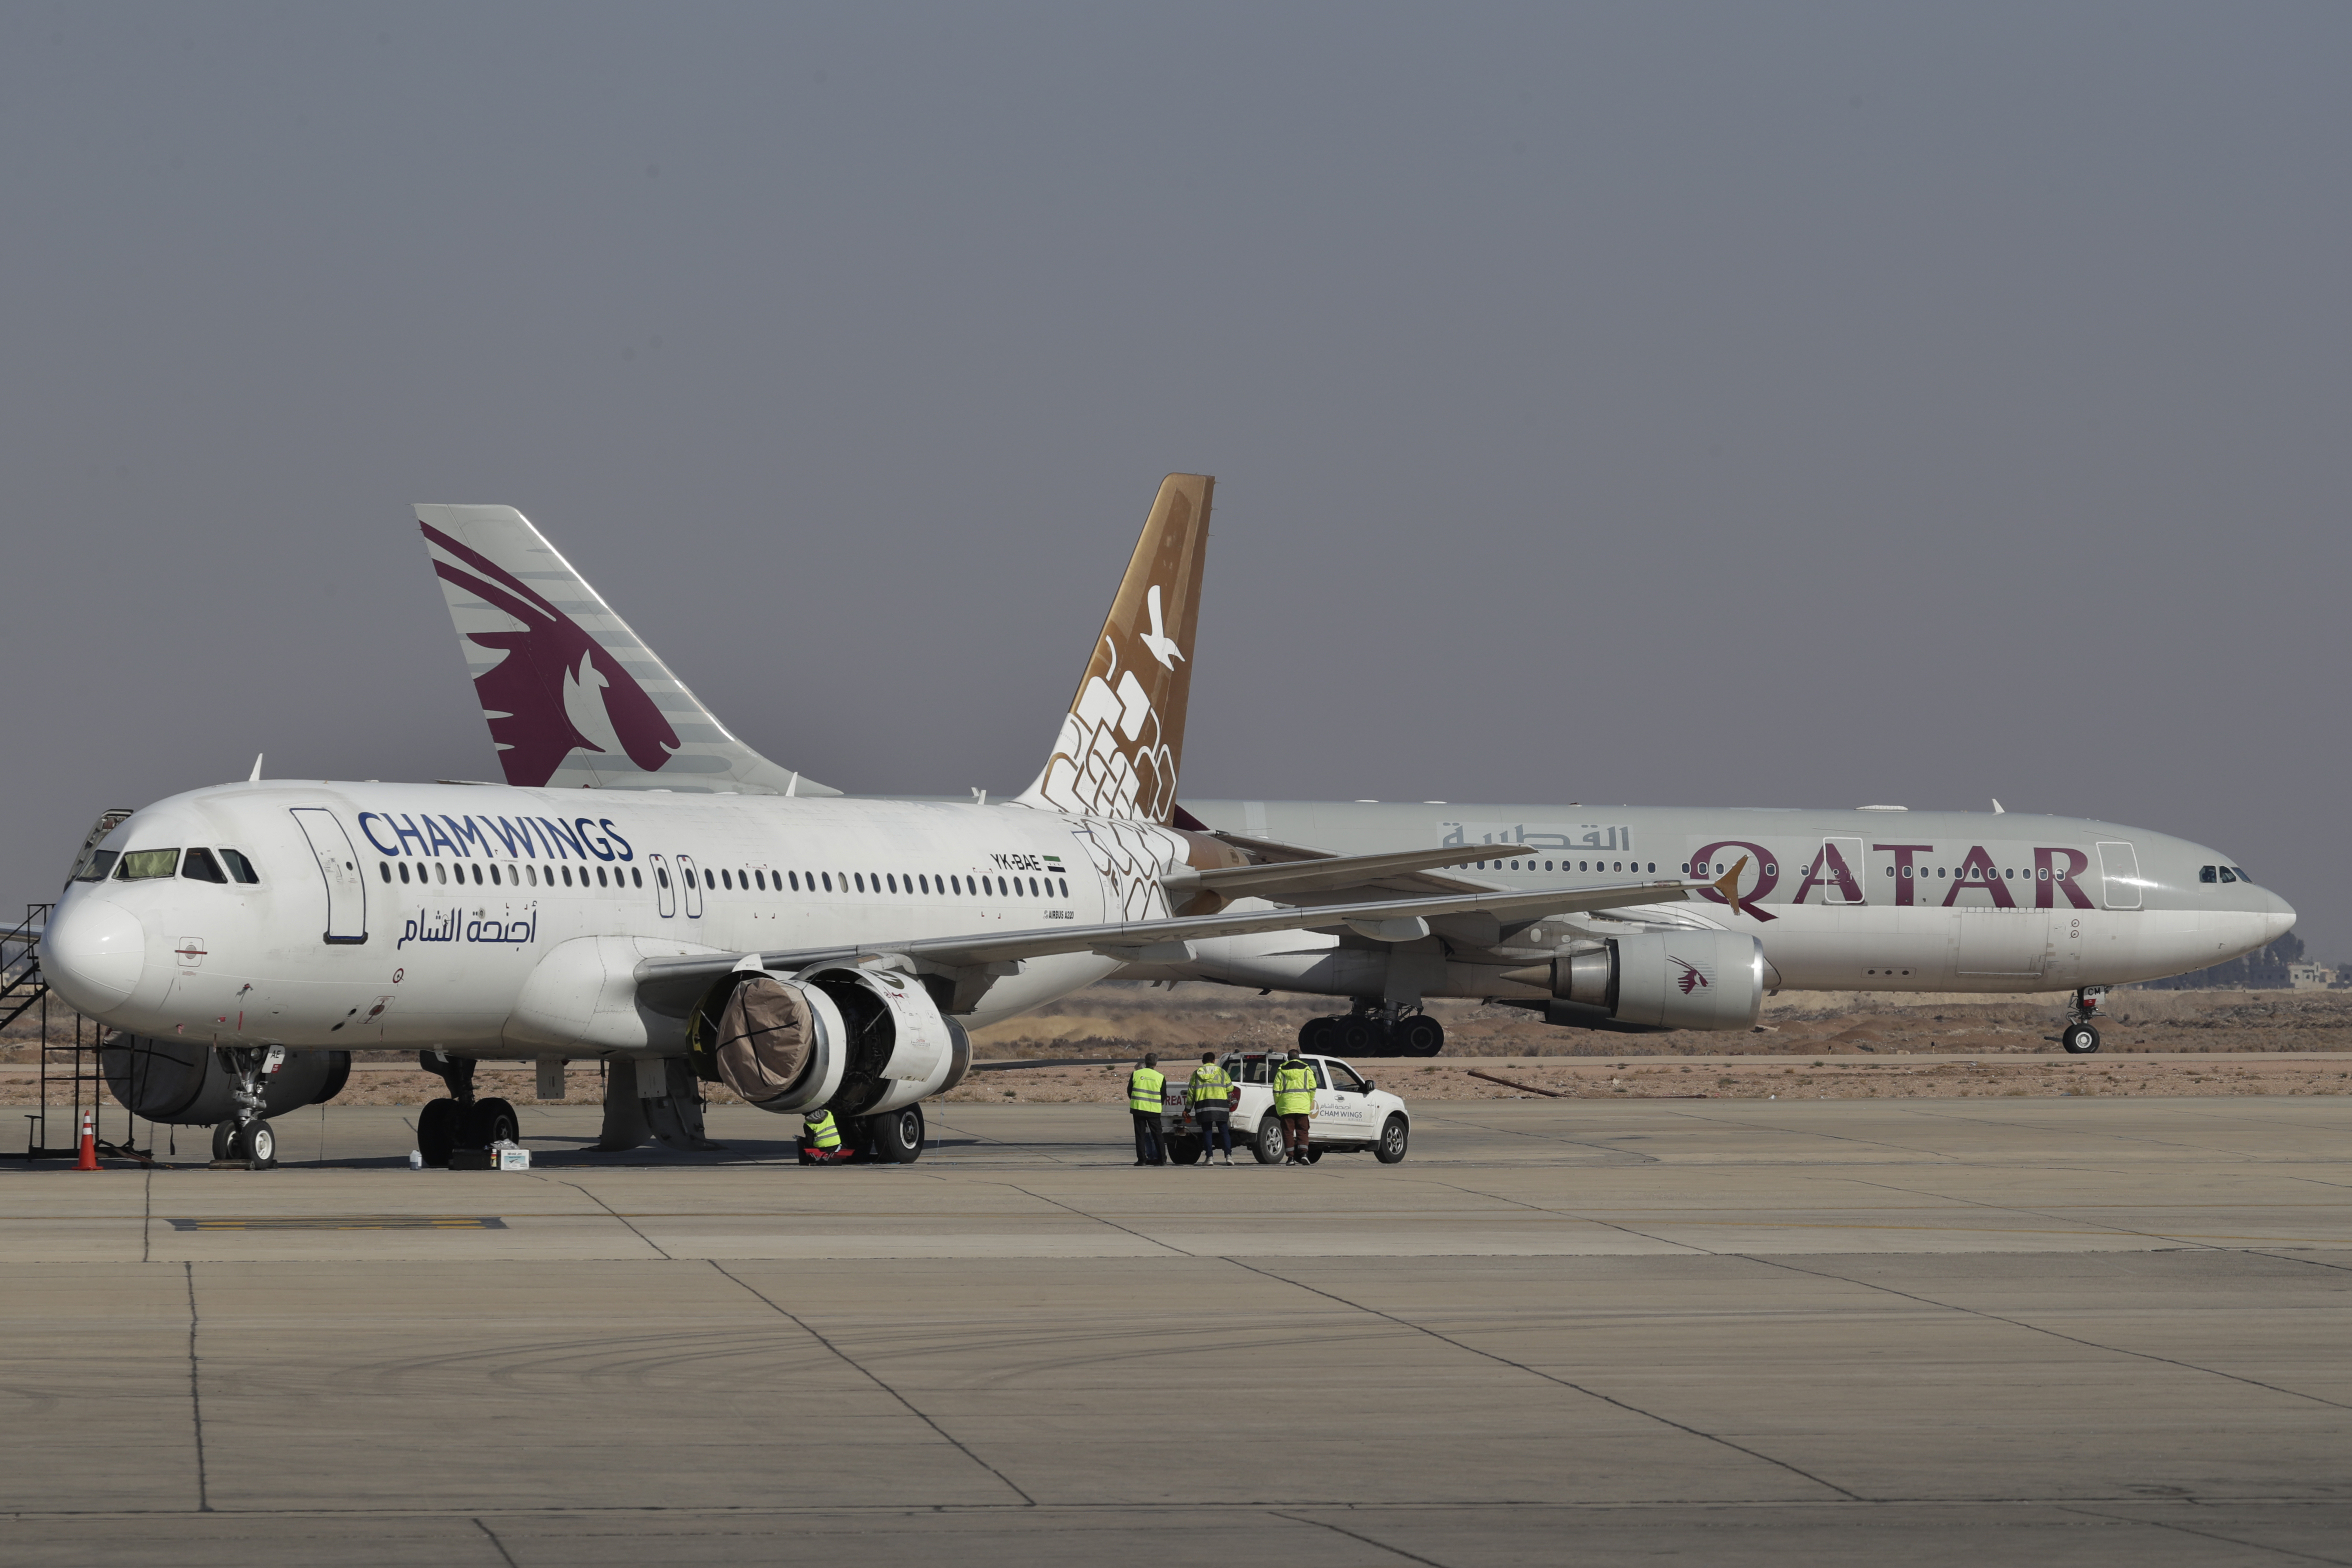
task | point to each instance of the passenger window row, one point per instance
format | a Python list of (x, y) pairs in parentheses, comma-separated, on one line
[(195, 865), (925, 884), (1564, 866), (511, 876)]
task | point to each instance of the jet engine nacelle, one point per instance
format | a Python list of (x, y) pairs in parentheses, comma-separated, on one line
[(184, 1083), (856, 1041), (1678, 980)]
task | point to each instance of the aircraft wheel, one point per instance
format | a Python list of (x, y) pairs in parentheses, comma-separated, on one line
[(1360, 1037), (223, 1136), (1268, 1144), (255, 1142), (437, 1132), (1320, 1035), (2080, 1039), (1314, 1155), (1419, 1036), (1394, 1135), (897, 1135), (1183, 1151), (489, 1121)]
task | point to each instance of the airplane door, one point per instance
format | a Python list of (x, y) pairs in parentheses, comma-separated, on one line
[(665, 896), (2119, 868), (693, 887), (339, 863), (1843, 854)]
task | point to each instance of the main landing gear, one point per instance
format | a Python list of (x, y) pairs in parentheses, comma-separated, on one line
[(2081, 1036), (245, 1139), (1373, 1030), (461, 1122)]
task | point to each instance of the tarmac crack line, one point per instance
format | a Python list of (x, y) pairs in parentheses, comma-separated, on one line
[(617, 1214), (1005, 1143), (506, 1556), (2043, 1213), (2037, 1328), (196, 1396), (1098, 1219), (875, 1378), (1560, 1382), (147, 1210), (1383, 1545), (2202, 1534)]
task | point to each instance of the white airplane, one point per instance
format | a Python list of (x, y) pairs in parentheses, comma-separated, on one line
[(707, 916), (1876, 898)]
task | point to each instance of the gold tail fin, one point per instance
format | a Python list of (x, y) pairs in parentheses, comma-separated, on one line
[(1117, 753)]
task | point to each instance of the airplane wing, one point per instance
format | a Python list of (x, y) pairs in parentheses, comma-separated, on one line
[(1294, 875), (1164, 941)]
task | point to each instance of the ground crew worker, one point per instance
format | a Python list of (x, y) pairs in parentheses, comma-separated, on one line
[(1294, 1102), (821, 1138), (1213, 1107), (1145, 1089)]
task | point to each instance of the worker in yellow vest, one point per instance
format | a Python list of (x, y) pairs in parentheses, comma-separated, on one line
[(1294, 1102), (820, 1138), (1211, 1092), (1146, 1089)]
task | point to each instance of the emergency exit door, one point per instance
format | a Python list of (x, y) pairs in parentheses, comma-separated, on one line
[(339, 863), (2119, 869), (1841, 868)]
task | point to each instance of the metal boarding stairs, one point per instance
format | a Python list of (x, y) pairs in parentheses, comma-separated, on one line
[(71, 1068)]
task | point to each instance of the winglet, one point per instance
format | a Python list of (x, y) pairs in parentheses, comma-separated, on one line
[(1118, 748), (254, 776)]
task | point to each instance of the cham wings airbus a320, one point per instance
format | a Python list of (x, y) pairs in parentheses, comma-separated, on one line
[(704, 915), (1871, 899)]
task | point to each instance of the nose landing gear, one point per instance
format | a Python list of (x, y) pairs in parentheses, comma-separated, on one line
[(2081, 1036), (245, 1139)]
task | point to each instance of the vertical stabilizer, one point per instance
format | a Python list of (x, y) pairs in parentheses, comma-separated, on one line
[(1119, 748), (572, 698)]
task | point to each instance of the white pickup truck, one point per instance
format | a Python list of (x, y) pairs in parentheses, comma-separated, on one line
[(1352, 1116)]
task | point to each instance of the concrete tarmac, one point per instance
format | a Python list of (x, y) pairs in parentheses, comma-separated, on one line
[(2079, 1331)]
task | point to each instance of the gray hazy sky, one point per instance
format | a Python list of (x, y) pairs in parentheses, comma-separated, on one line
[(1735, 405)]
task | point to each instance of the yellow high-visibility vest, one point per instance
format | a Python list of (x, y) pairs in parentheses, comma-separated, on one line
[(824, 1131), (1294, 1089), (1145, 1088), (1211, 1086)]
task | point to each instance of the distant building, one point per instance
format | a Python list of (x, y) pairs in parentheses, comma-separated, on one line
[(2311, 977)]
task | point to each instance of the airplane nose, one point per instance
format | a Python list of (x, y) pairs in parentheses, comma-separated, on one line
[(92, 953), (2278, 918)]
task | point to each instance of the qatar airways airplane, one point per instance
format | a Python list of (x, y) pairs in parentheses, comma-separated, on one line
[(1877, 898), (704, 915)]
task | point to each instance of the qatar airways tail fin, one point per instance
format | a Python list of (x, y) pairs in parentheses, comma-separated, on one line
[(1118, 751), (573, 696)]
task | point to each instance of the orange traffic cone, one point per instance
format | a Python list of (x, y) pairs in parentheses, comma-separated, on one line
[(88, 1160)]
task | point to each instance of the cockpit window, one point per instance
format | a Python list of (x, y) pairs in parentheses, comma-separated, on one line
[(2205, 874), (102, 861), (199, 866), (2241, 871), (2228, 874), (142, 864), (239, 867)]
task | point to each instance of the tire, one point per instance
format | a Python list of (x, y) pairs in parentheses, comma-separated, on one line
[(491, 1121), (223, 1135), (437, 1132), (255, 1142), (1419, 1036), (1320, 1035), (897, 1135), (1267, 1145), (1183, 1151), (1314, 1155), (1360, 1036), (1394, 1135), (2080, 1039)]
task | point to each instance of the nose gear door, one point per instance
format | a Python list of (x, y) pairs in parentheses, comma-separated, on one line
[(339, 863)]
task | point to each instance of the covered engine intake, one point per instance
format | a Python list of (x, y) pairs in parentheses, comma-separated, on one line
[(183, 1082), (1676, 980), (856, 1041)]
